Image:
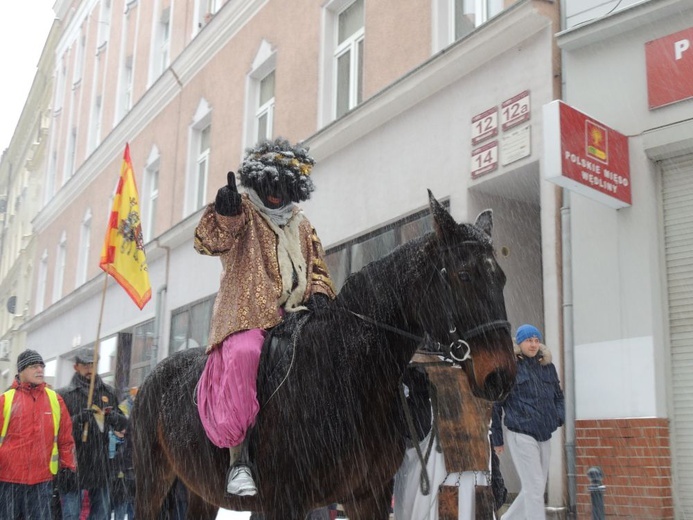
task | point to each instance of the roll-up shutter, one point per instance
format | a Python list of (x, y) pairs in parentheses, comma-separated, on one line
[(677, 186)]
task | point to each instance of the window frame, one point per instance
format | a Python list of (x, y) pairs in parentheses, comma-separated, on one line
[(151, 194), (60, 262), (84, 249), (201, 121), (352, 46)]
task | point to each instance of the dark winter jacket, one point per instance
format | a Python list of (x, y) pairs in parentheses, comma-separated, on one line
[(92, 456), (535, 406)]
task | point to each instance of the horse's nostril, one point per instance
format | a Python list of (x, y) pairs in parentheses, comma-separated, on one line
[(497, 384)]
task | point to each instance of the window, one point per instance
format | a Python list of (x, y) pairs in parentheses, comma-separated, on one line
[(95, 123), (190, 325), (455, 19), (41, 282), (355, 254), (161, 45), (265, 112), (70, 155), (260, 96), (79, 60), (59, 275), (50, 177), (151, 193), (206, 9), (126, 87), (200, 142), (142, 352), (61, 74), (104, 22), (349, 58), (84, 249)]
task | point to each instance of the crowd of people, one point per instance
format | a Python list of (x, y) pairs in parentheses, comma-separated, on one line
[(62, 458)]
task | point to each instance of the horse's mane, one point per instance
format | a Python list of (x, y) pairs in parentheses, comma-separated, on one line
[(377, 289)]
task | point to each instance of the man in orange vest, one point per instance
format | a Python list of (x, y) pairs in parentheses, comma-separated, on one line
[(35, 442)]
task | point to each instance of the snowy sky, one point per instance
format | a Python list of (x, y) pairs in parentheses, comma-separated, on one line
[(24, 26)]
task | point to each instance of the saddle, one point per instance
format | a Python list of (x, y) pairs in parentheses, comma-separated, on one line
[(277, 354)]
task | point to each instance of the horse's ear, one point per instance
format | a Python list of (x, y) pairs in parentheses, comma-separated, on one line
[(484, 221), (443, 223)]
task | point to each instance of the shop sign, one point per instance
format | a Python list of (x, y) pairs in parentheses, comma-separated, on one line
[(586, 156), (669, 62)]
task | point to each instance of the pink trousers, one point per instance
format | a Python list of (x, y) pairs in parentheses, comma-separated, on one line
[(227, 392)]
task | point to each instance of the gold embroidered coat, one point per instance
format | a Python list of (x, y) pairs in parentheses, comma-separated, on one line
[(252, 286)]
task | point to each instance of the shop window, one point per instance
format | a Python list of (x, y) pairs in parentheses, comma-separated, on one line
[(354, 255), (190, 325)]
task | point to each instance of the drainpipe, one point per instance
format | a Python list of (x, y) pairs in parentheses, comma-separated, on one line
[(160, 308), (568, 354)]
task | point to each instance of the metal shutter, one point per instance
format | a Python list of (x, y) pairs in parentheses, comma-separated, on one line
[(677, 196)]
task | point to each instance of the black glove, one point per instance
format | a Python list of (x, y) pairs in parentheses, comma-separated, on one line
[(67, 481), (82, 416), (228, 201), (317, 301), (114, 419)]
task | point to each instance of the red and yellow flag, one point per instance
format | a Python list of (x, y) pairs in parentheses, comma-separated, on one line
[(123, 255)]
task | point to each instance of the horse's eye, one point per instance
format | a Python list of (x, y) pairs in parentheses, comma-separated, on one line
[(464, 276)]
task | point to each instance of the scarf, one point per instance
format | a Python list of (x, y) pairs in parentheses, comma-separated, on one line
[(279, 216)]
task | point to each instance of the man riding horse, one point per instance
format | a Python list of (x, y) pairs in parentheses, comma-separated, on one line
[(272, 264)]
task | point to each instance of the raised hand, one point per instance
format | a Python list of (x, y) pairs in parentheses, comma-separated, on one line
[(228, 201)]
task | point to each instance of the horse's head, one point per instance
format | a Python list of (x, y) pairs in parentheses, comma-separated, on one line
[(464, 304)]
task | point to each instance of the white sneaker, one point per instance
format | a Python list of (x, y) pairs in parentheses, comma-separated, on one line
[(240, 482)]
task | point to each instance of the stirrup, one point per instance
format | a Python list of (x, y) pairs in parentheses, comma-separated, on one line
[(239, 481)]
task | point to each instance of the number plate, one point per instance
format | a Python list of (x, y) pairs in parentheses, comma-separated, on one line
[(515, 110)]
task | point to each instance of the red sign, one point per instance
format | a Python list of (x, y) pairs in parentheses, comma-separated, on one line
[(669, 68), (484, 159), (586, 156), (515, 111), (484, 125)]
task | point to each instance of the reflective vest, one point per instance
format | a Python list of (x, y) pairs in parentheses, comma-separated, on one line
[(55, 409)]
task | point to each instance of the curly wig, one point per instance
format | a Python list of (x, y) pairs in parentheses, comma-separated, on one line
[(278, 164)]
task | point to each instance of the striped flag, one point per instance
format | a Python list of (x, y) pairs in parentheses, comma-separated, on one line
[(122, 255)]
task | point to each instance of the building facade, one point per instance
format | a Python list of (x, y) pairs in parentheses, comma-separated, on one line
[(21, 175), (632, 268)]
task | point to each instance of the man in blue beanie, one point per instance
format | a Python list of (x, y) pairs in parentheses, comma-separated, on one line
[(533, 410)]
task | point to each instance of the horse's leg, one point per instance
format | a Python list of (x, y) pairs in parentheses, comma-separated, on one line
[(198, 509), (151, 490), (372, 506)]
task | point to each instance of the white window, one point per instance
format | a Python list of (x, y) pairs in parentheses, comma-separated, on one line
[(455, 19), (79, 60), (59, 275), (70, 155), (60, 74), (259, 122), (104, 22), (264, 117), (202, 169), (84, 249), (50, 177), (341, 88), (349, 58), (41, 282), (198, 166), (205, 11), (95, 124), (151, 193), (161, 45), (125, 88)]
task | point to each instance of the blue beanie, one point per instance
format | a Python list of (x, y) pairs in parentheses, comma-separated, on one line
[(525, 332)]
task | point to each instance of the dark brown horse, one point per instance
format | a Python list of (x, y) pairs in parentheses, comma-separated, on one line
[(332, 431)]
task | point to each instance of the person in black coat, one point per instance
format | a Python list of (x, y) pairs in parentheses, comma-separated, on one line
[(93, 468)]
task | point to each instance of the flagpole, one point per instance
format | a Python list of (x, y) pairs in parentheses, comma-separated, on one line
[(95, 361)]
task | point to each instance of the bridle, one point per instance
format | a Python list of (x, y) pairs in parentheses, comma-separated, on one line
[(458, 350)]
